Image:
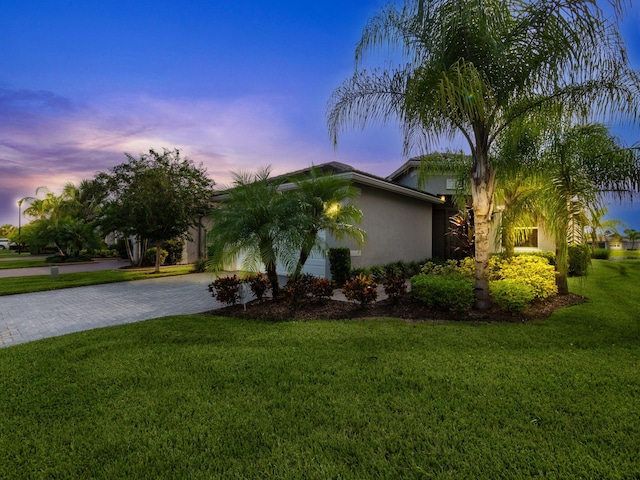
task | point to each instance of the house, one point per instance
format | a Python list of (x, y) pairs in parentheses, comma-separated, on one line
[(402, 221), (398, 220), (444, 187)]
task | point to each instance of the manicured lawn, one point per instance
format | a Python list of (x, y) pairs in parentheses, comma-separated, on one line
[(209, 397), (40, 283), (36, 262), (629, 254)]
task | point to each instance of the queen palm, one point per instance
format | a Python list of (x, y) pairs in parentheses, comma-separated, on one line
[(581, 163), (475, 66)]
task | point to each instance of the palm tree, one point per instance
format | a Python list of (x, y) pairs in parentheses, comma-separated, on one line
[(581, 162), (633, 236), (473, 67), (597, 225), (251, 220), (321, 204)]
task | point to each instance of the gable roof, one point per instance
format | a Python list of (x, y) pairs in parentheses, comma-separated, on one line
[(356, 177), (364, 178)]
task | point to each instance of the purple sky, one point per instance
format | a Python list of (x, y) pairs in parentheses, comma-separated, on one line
[(234, 85)]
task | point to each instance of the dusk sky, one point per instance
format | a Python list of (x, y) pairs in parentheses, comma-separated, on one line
[(234, 85)]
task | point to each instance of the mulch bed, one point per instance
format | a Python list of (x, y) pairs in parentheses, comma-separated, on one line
[(406, 308)]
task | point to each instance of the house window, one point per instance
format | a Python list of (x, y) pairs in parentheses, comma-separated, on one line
[(450, 184), (527, 237)]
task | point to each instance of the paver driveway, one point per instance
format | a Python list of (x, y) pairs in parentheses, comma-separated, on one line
[(33, 316)]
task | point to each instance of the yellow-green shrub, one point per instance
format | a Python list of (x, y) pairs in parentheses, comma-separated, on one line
[(464, 267), (532, 271), (511, 295)]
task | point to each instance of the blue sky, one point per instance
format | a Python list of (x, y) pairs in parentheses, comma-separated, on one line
[(234, 85)]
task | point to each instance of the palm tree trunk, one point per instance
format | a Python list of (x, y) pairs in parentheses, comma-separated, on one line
[(482, 188), (273, 278), (305, 251)]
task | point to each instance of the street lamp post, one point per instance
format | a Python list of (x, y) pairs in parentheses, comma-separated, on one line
[(20, 225)]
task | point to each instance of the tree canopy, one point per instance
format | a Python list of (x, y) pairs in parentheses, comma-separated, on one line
[(155, 197)]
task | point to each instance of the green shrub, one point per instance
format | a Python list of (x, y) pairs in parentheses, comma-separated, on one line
[(464, 267), (443, 292), (579, 260), (226, 289), (511, 295), (362, 289), (174, 250), (200, 265), (601, 254), (340, 264), (149, 258), (530, 270)]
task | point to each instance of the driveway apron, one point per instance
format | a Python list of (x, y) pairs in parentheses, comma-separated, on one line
[(33, 316)]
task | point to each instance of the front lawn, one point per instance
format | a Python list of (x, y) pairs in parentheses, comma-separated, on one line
[(40, 283), (213, 397), (26, 263)]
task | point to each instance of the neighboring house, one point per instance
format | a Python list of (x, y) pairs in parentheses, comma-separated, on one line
[(398, 221), (444, 186)]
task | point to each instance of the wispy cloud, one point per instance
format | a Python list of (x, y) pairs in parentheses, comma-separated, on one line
[(49, 140)]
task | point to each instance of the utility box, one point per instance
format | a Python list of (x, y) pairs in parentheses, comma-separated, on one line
[(55, 274)]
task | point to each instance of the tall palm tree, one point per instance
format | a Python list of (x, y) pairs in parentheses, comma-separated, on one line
[(251, 221), (321, 203), (475, 66)]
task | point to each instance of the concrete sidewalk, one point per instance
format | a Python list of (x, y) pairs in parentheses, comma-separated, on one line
[(33, 316)]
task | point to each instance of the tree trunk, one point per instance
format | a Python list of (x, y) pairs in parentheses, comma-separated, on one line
[(273, 278), (305, 251), (158, 248), (562, 266), (482, 188)]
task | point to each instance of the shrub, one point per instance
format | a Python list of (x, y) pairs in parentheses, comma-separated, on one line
[(149, 258), (259, 284), (321, 289), (340, 264), (452, 292), (226, 289), (394, 287), (601, 254), (529, 270), (200, 265), (548, 256), (362, 289), (511, 295), (174, 250), (579, 260), (61, 259), (464, 267)]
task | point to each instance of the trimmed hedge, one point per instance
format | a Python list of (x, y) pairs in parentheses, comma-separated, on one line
[(451, 292)]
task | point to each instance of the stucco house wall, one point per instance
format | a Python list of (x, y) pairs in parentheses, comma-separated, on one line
[(398, 228)]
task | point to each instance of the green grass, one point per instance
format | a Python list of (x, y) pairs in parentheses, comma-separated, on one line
[(40, 283), (209, 397), (7, 264), (629, 254)]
